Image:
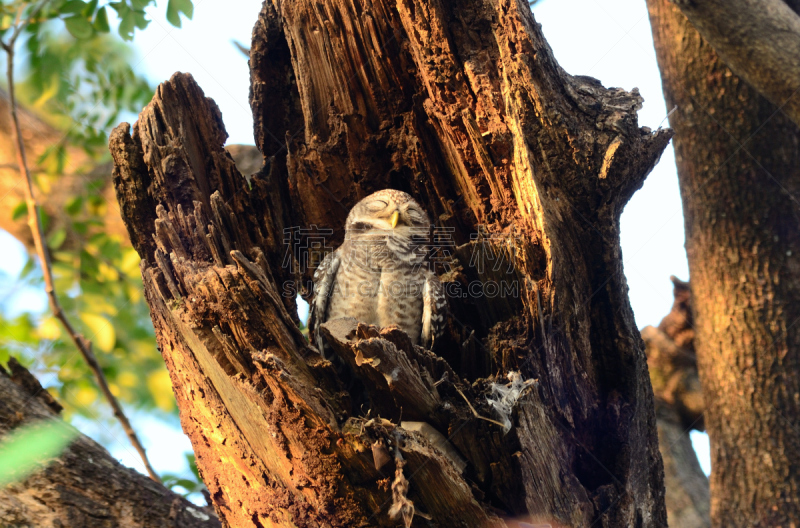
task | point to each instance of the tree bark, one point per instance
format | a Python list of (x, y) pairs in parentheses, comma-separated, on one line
[(738, 161), (85, 485), (759, 40), (465, 108)]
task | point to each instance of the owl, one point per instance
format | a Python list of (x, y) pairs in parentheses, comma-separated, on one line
[(379, 275)]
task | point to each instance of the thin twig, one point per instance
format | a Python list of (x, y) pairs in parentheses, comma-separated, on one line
[(475, 413), (35, 224), (20, 26)]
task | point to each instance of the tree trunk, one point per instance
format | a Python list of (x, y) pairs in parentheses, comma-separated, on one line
[(769, 60), (738, 160), (464, 107), (85, 485)]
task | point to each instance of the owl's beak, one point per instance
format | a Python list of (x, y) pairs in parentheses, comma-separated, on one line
[(394, 219)]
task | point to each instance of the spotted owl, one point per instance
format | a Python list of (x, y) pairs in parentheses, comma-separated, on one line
[(379, 275)]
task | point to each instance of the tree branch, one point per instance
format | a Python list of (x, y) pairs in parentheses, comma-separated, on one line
[(84, 485), (759, 40), (679, 409)]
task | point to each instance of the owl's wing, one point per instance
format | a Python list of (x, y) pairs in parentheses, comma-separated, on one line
[(324, 280), (434, 309)]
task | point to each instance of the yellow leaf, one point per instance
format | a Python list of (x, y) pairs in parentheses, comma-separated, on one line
[(44, 184), (100, 303), (86, 396), (143, 350), (134, 292), (161, 388), (127, 379), (66, 373), (107, 272), (48, 93), (101, 331), (130, 263), (49, 329)]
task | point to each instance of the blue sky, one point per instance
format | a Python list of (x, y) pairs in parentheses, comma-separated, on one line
[(609, 40)]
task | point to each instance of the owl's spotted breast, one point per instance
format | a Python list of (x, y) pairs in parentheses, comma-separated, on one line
[(378, 293), (378, 276)]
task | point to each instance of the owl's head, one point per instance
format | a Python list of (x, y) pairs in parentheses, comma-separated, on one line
[(388, 211)]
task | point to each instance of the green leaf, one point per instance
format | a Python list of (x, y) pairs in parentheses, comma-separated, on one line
[(72, 7), (141, 19), (188, 485), (28, 268), (127, 24), (120, 7), (19, 211), (79, 27), (29, 447), (192, 461), (101, 21), (45, 219), (102, 331), (89, 10), (175, 8), (74, 205), (54, 158), (56, 238)]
